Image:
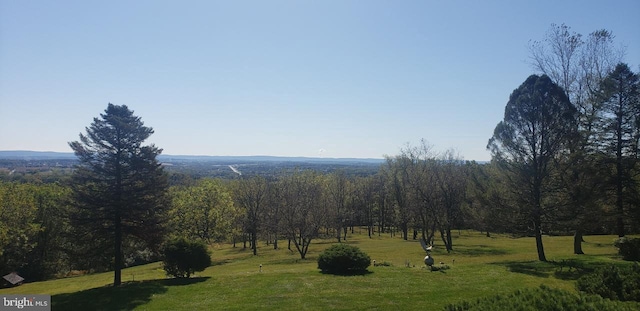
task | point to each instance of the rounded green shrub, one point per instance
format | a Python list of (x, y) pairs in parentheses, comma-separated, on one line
[(343, 259), (182, 258), (612, 282), (628, 248)]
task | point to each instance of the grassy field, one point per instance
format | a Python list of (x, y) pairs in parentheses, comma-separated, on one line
[(482, 267)]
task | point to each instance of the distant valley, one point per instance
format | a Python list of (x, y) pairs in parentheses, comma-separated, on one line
[(40, 155), (20, 163)]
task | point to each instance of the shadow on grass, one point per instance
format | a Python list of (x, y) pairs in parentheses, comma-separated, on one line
[(479, 250), (533, 268), (125, 297), (572, 269), (599, 244), (329, 240), (294, 260), (183, 281), (241, 250), (347, 273), (569, 269), (220, 262)]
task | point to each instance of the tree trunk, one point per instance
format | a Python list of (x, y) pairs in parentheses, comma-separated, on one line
[(305, 248), (538, 231), (537, 214), (446, 239), (405, 231), (619, 203), (275, 242), (577, 242), (254, 241), (619, 186), (117, 252), (449, 241)]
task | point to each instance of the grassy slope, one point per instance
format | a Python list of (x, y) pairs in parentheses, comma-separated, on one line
[(483, 266)]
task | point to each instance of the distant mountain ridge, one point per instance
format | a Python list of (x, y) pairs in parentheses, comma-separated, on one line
[(34, 155), (50, 155)]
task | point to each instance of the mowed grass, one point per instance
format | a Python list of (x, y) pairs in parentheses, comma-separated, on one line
[(483, 267)]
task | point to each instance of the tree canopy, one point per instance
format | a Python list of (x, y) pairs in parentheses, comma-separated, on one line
[(539, 122), (119, 186)]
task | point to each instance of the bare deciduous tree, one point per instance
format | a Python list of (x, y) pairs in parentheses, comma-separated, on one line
[(302, 214), (252, 194)]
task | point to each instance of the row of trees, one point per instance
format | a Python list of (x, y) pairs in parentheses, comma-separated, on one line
[(32, 229), (565, 156), (417, 191), (79, 225), (118, 204), (568, 146)]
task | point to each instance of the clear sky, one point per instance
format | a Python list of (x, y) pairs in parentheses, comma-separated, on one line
[(333, 78)]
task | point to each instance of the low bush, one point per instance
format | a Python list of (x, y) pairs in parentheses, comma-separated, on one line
[(343, 259), (543, 299), (613, 282), (182, 258), (628, 248)]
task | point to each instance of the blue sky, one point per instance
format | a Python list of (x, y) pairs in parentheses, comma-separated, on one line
[(283, 78)]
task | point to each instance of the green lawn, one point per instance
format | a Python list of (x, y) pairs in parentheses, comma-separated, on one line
[(483, 267)]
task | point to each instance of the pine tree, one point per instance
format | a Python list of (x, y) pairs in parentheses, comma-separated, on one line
[(620, 135), (119, 187)]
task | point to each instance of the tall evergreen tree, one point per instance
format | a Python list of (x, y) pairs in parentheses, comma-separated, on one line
[(119, 187), (538, 123), (620, 134)]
